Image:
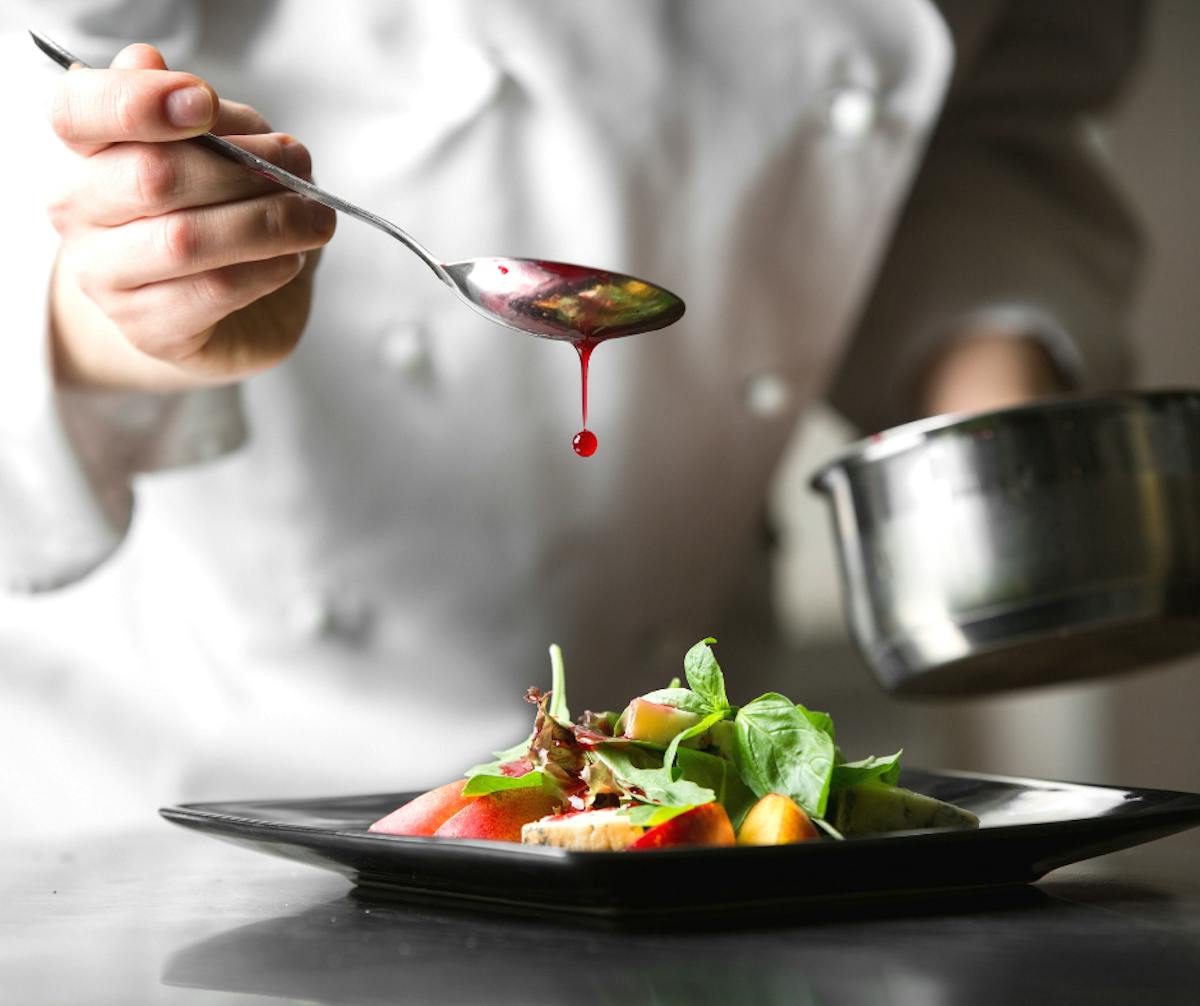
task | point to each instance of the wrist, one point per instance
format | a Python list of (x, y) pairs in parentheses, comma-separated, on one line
[(987, 369)]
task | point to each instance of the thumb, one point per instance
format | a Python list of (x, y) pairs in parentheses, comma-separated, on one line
[(138, 56)]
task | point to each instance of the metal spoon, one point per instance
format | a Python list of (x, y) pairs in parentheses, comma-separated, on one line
[(551, 299)]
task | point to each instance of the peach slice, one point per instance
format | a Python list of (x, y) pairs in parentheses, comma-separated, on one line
[(426, 813), (707, 824), (655, 722), (776, 820), (499, 816)]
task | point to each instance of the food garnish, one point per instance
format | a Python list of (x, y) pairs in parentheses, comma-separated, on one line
[(678, 766)]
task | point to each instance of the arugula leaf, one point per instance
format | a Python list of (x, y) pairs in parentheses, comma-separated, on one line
[(558, 687), (634, 767), (679, 698), (695, 730), (649, 815), (721, 776), (488, 778), (704, 675), (777, 749), (885, 769)]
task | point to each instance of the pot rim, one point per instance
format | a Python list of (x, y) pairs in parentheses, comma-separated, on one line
[(900, 439)]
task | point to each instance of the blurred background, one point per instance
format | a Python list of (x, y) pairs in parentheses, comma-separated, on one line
[(1137, 730), (1140, 729)]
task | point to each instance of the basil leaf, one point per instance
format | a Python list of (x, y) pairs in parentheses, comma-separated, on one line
[(695, 730), (487, 778), (634, 767), (650, 815), (777, 749), (558, 687), (680, 698), (721, 776), (886, 770), (704, 675), (822, 721)]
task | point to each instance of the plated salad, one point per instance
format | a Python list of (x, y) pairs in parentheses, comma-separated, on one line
[(678, 766)]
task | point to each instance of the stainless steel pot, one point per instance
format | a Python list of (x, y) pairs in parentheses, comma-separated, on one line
[(1015, 548)]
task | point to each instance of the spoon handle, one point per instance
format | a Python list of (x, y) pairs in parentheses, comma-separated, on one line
[(233, 152)]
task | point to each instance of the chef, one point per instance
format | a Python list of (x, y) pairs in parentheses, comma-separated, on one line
[(278, 514)]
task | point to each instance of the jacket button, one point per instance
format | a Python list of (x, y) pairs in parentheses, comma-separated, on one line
[(403, 351), (322, 615), (852, 111), (766, 394)]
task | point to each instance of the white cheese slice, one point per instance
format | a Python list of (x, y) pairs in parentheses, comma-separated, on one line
[(591, 830)]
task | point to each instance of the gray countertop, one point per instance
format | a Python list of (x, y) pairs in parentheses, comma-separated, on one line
[(166, 916)]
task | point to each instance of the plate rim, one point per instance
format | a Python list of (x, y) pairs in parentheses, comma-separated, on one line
[(194, 814)]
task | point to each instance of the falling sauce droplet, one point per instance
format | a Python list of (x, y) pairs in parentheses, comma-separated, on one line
[(585, 440), (503, 270), (584, 443)]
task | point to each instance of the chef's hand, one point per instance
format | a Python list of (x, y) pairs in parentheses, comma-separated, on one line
[(177, 269), (987, 369)]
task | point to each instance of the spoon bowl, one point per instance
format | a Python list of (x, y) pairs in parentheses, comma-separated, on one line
[(557, 300)]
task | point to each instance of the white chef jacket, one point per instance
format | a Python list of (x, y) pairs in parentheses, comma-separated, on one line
[(342, 574)]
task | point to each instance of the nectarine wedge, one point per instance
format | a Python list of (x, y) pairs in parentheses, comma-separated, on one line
[(426, 813), (707, 824), (776, 820), (499, 816)]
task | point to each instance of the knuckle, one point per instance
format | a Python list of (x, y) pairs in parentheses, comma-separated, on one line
[(215, 288), (126, 108), (94, 282), (290, 265), (140, 336), (179, 238), (280, 271), (155, 175), (62, 112), (278, 218), (61, 211)]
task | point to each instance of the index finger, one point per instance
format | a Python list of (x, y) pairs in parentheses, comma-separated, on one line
[(95, 108)]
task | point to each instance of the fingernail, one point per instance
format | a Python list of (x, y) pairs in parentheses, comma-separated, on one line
[(189, 107), (296, 159), (321, 218)]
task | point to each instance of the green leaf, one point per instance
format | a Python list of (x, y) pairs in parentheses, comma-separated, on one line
[(777, 749), (885, 769), (633, 767), (828, 828), (680, 698), (513, 753), (721, 776), (650, 815), (558, 687), (822, 721), (487, 778), (695, 730), (704, 675)]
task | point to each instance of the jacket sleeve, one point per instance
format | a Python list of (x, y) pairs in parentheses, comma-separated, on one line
[(1012, 219), (68, 458)]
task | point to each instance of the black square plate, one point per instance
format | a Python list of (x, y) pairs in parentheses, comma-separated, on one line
[(1027, 828)]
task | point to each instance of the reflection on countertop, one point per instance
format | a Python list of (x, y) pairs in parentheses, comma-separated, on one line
[(159, 915)]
